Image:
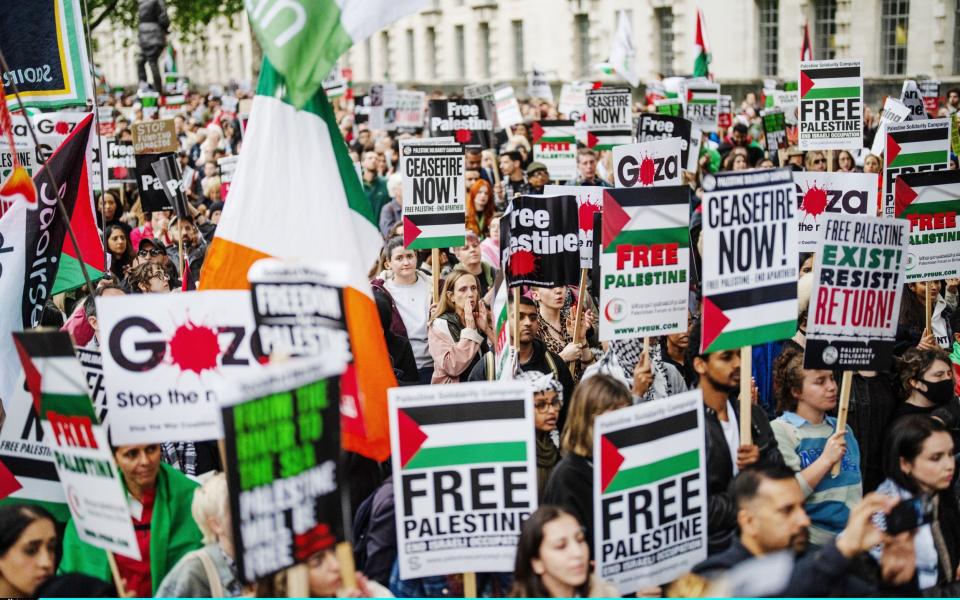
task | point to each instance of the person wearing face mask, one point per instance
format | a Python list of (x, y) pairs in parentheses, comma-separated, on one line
[(553, 559), (926, 383)]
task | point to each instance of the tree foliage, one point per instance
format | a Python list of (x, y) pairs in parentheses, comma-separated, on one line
[(187, 17)]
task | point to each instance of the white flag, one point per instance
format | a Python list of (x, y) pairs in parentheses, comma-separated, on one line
[(623, 56)]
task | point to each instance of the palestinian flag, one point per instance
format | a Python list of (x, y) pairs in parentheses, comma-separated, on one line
[(806, 50), (643, 216), (606, 140), (739, 318), (554, 132), (927, 193), (701, 63), (462, 433), (53, 373), (433, 230), (829, 83), (646, 454), (708, 94), (909, 146)]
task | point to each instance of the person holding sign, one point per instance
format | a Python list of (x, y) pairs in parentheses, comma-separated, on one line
[(28, 549), (811, 446), (553, 559), (160, 501), (912, 327), (459, 334)]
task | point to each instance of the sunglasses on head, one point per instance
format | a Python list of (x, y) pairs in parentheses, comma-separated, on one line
[(151, 252)]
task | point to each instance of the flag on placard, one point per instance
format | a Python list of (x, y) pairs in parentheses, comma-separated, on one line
[(931, 193), (831, 83), (912, 147), (623, 55), (806, 51), (606, 140), (434, 230), (701, 64), (432, 436), (554, 133), (309, 37), (285, 152)]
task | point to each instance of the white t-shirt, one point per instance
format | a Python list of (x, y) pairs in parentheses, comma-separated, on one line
[(731, 431), (413, 303)]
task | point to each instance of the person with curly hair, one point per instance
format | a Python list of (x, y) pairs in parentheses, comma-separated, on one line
[(148, 278), (811, 445)]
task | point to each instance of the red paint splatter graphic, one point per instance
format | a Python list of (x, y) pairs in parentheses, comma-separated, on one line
[(585, 215), (120, 172), (462, 136), (62, 127), (194, 348), (814, 201), (647, 171), (522, 262)]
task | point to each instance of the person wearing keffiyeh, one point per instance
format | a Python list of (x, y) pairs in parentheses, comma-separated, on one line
[(547, 401)]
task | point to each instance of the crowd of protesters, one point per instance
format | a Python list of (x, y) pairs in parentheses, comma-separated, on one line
[(772, 495)]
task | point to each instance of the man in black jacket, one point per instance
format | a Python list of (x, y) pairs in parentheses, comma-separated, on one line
[(719, 380), (771, 519)]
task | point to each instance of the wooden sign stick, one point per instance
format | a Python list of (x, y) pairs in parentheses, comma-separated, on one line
[(846, 383), (746, 397)]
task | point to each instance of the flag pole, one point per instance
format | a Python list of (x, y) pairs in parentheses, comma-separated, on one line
[(746, 396), (578, 315), (515, 338), (470, 585), (435, 273), (928, 313), (117, 580)]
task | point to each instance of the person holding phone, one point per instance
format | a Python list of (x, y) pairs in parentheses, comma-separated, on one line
[(458, 336)]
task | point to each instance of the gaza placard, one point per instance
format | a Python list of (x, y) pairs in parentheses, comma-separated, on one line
[(644, 259), (434, 199), (831, 105), (855, 302), (823, 194), (464, 475), (749, 259), (648, 164), (650, 492), (930, 202), (913, 147)]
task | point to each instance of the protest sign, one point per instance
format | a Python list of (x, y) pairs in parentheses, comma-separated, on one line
[(24, 149), (91, 363), (555, 145), (53, 128), (152, 141), (669, 106), (540, 241), (573, 100), (434, 198), (154, 137), (464, 475), (409, 113), (930, 202), (508, 109), (228, 167), (45, 49), (468, 121), (175, 104), (693, 153), (609, 119), (650, 492), (478, 91), (910, 96), (106, 124), (725, 112), (913, 147), (121, 163), (78, 442), (648, 164), (655, 90), (501, 317), (383, 105), (538, 86), (643, 262), (657, 127), (749, 259), (930, 92), (589, 201), (774, 129), (893, 111), (149, 104), (153, 196), (338, 82), (855, 302), (282, 445), (701, 103), (164, 354), (821, 194), (831, 105), (24, 453)]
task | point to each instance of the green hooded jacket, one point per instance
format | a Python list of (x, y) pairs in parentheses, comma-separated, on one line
[(173, 532)]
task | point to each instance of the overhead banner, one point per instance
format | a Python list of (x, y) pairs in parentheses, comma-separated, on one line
[(434, 198), (78, 442), (589, 201), (893, 111), (644, 286), (911, 98), (913, 147), (701, 103), (508, 109), (555, 145), (650, 492), (855, 302), (540, 241), (121, 163), (749, 259), (164, 355), (930, 203), (823, 194), (652, 127), (470, 122), (409, 113), (44, 45), (831, 105), (774, 129), (464, 475), (609, 117), (282, 442), (648, 164)]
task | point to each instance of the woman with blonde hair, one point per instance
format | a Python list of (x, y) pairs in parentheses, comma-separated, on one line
[(457, 337)]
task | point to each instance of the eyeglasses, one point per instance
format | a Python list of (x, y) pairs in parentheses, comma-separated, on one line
[(545, 406), (820, 161), (151, 252)]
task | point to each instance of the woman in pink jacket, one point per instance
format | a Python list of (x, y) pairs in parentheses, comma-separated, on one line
[(458, 335)]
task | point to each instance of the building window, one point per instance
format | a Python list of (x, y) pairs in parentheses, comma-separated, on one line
[(582, 34), (517, 28), (825, 29), (432, 50), (411, 55), (894, 20), (665, 39), (485, 50), (769, 17), (461, 46)]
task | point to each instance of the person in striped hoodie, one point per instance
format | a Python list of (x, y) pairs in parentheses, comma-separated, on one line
[(811, 446)]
